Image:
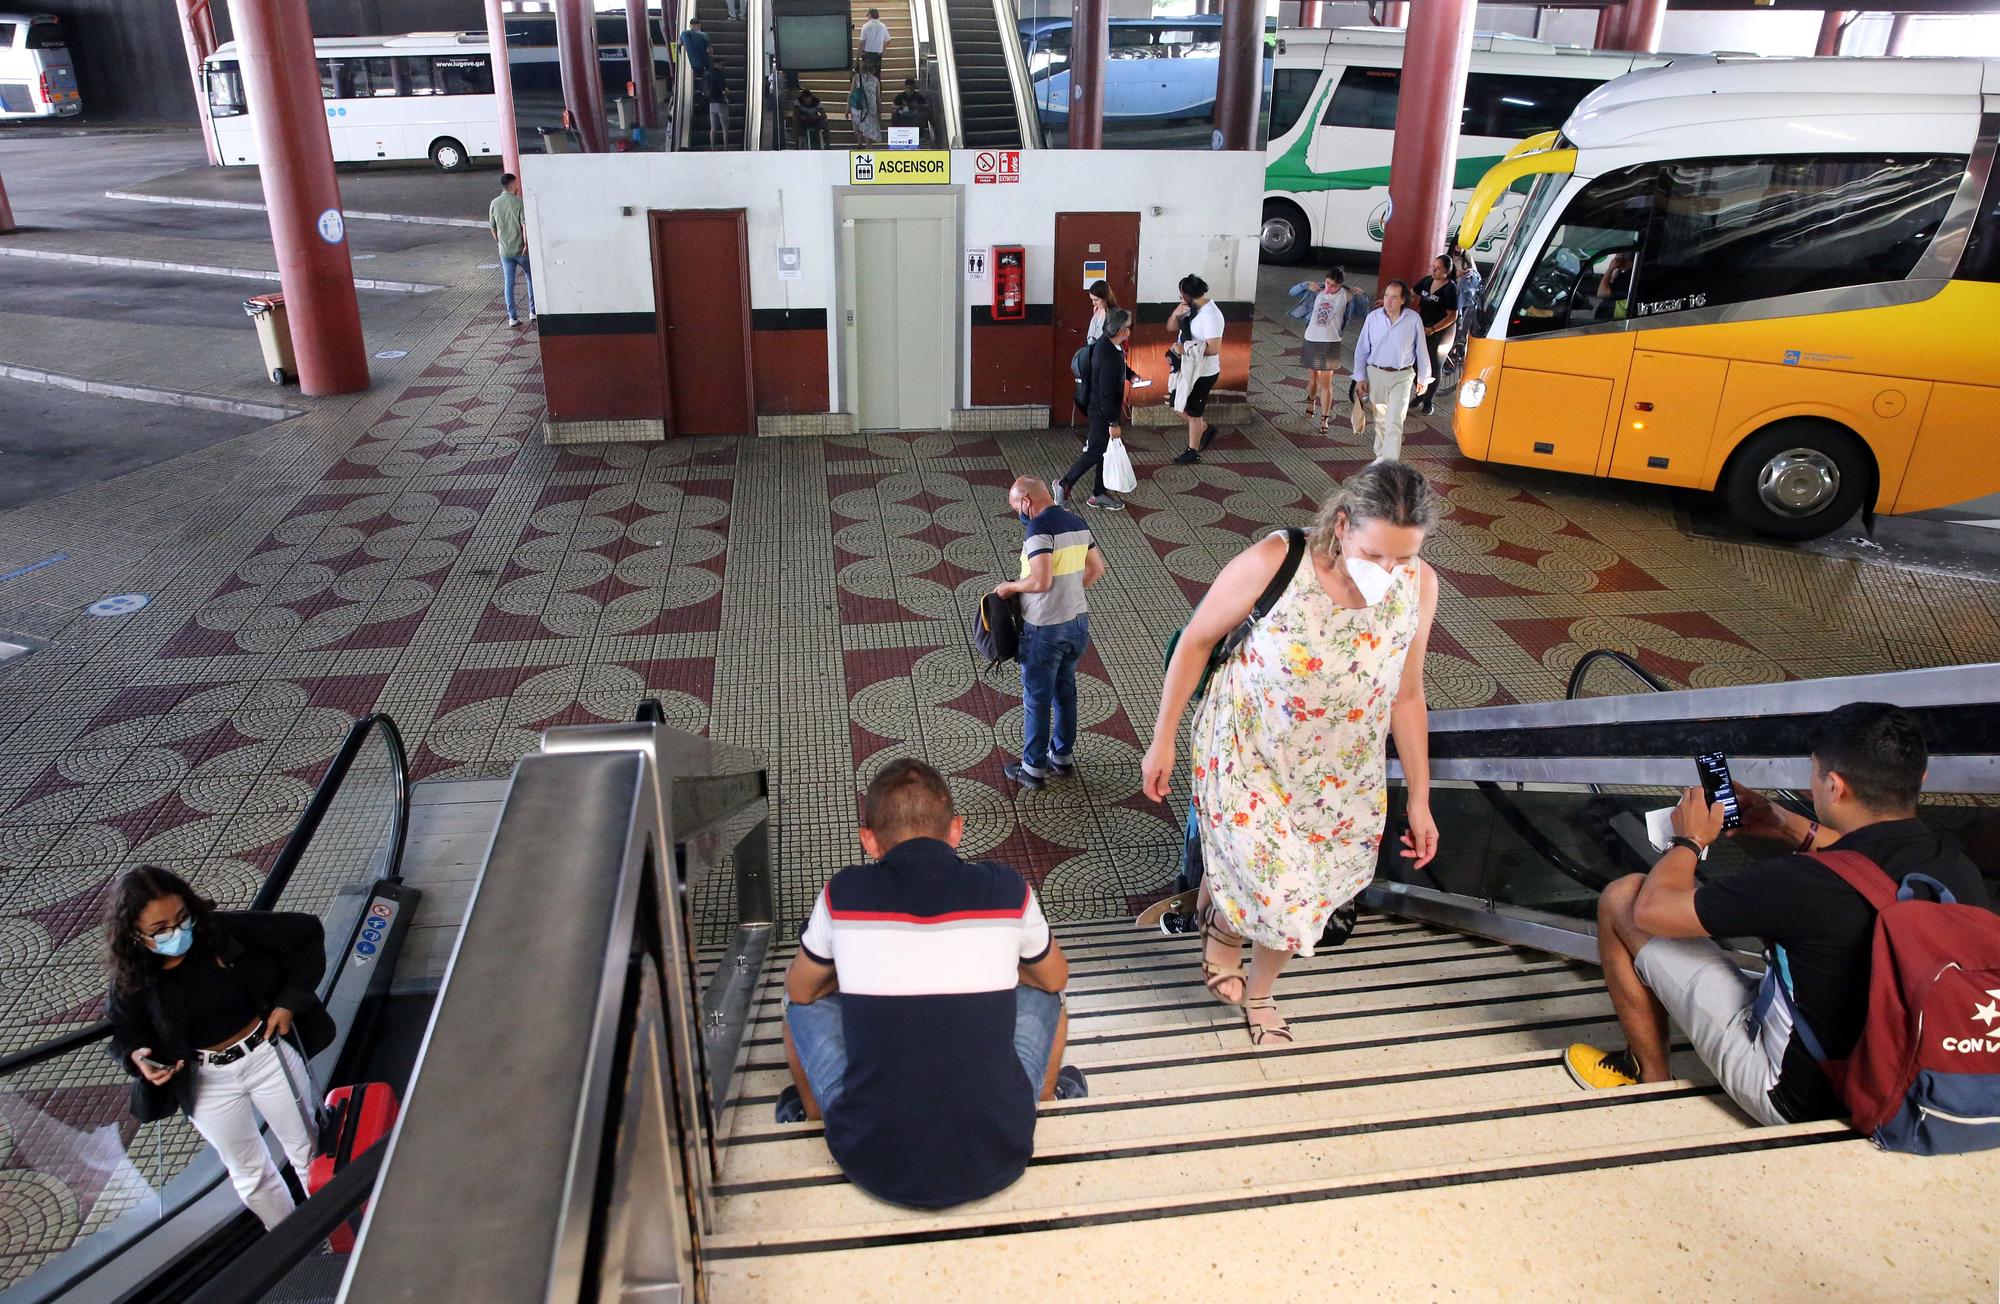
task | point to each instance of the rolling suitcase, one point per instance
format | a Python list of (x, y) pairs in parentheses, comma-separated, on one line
[(356, 1118)]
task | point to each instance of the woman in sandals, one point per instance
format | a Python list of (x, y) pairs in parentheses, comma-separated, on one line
[(1326, 316), (1289, 744)]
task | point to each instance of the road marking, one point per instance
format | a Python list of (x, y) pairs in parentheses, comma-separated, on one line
[(147, 394), (52, 559), (197, 269), (415, 219)]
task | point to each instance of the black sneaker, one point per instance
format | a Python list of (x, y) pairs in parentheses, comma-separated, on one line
[(1174, 925), (1071, 1084), (1061, 769), (791, 1109), (1023, 776), (1210, 435), (1188, 458)]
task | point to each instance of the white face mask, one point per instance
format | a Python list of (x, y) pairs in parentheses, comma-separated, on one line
[(1372, 580)]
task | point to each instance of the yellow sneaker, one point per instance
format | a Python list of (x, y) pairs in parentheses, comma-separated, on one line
[(1597, 1070)]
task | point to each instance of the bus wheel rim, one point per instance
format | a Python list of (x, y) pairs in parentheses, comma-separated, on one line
[(448, 156), (1278, 234), (1798, 482)]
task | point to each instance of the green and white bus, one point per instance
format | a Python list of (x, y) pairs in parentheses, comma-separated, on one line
[(1333, 118)]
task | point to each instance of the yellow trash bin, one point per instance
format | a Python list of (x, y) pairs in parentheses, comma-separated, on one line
[(274, 336)]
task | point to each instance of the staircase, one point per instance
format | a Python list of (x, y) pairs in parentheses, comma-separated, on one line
[(985, 92), (728, 43), (898, 62), (1419, 1139)]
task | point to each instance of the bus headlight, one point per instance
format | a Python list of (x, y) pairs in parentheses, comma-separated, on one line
[(1472, 393)]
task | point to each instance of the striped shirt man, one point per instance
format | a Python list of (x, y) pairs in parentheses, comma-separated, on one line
[(1063, 535)]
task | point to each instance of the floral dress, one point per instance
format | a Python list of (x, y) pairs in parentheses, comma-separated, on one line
[(1290, 759)]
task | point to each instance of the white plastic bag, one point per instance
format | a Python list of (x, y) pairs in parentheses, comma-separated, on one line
[(1119, 477)]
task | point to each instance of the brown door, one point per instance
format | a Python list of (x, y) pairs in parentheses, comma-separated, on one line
[(1082, 239), (701, 316)]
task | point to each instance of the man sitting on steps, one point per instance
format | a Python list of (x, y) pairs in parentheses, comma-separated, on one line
[(1654, 929), (923, 1011)]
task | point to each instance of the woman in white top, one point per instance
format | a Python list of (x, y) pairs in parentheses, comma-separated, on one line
[(1321, 352), (1198, 326)]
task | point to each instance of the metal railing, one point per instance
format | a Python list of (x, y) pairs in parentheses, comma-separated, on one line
[(949, 92), (602, 1029), (1026, 113), (1581, 670)]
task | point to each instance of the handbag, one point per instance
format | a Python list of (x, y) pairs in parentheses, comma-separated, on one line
[(1357, 415), (996, 629), (1119, 477), (1225, 648)]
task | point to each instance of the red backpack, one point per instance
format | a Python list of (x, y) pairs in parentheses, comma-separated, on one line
[(1924, 1078)]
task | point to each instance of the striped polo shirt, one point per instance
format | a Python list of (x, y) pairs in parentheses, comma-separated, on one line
[(1061, 533), (927, 949)]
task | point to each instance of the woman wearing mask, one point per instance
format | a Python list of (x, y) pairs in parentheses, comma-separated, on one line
[(1290, 772), (200, 1003)]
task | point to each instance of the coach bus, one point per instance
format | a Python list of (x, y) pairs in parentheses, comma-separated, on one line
[(1333, 124), (1776, 280), (1158, 71), (36, 78)]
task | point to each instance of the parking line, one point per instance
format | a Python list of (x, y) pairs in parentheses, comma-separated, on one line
[(352, 215), (148, 394), (197, 269)]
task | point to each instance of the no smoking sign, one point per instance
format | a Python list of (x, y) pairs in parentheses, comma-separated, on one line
[(996, 167)]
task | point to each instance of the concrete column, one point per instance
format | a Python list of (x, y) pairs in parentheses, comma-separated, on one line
[(1610, 28), (503, 87), (1830, 25), (1239, 80), (639, 45), (6, 210), (1089, 50), (1641, 29), (308, 230), (1899, 28), (198, 38), (1424, 157), (582, 79)]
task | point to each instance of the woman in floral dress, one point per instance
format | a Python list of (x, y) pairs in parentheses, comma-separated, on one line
[(1289, 745)]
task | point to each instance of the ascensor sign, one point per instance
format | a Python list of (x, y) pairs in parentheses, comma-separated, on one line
[(903, 167)]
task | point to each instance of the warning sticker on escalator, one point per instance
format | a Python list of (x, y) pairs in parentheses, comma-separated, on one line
[(374, 930), (903, 167)]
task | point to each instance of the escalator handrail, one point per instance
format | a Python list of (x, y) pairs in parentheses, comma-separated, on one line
[(1590, 658), (650, 712), (254, 1273), (282, 868)]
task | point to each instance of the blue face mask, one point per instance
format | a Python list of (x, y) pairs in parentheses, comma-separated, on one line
[(175, 942)]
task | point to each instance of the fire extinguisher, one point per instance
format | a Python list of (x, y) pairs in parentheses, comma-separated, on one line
[(1010, 283)]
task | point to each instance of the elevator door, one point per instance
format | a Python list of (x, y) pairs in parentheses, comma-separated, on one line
[(899, 300)]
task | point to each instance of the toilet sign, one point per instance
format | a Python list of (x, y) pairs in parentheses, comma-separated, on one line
[(332, 226), (1093, 272), (975, 264)]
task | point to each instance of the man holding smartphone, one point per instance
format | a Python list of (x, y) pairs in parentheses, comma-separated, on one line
[(1654, 930)]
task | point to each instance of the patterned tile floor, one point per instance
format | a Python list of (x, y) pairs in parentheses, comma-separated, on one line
[(426, 555)]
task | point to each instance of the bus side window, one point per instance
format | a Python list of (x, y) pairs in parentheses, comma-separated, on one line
[(414, 75), (1366, 97), (225, 91), (1131, 43), (1291, 91), (464, 74), (1578, 277)]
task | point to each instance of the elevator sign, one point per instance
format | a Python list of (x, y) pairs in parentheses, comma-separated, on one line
[(903, 167)]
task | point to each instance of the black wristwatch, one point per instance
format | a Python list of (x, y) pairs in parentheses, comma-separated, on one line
[(1679, 840)]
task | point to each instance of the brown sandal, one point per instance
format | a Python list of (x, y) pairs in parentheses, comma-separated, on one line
[(1262, 1033), (1214, 975)]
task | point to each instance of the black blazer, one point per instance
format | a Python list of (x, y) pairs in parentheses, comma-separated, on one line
[(1107, 382), (281, 957)]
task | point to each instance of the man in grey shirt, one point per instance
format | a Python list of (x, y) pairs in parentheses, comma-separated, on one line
[(1389, 353), (1059, 560)]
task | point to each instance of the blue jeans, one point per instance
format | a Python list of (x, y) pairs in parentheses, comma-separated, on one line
[(1048, 656), (821, 1040), (509, 265)]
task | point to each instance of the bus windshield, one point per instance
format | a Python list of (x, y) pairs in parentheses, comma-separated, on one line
[(1540, 199)]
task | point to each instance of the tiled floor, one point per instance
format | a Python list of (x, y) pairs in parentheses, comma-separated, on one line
[(427, 555)]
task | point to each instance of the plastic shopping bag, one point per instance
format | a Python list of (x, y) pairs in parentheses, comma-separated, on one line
[(1119, 477)]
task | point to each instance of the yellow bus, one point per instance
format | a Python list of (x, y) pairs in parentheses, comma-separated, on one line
[(1775, 279)]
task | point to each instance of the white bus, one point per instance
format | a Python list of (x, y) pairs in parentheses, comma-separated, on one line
[(36, 78), (426, 95), (1333, 122)]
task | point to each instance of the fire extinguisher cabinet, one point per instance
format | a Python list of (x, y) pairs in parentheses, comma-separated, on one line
[(1010, 283)]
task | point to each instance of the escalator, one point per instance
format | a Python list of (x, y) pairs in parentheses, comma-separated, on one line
[(729, 46), (987, 74)]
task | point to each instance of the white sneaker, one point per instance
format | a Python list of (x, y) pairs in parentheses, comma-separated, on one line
[(531, 314), (513, 321)]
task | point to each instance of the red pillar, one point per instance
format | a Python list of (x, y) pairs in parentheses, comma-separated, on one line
[(1309, 13), (1831, 24), (1425, 154), (1239, 79), (1395, 13), (1641, 29), (281, 83), (198, 39), (503, 87), (1610, 19), (639, 46), (1089, 50), (582, 80), (6, 210), (1899, 28)]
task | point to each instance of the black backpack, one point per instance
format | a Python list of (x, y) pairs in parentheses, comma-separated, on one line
[(996, 629), (1079, 368)]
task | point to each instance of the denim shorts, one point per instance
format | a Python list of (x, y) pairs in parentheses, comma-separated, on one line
[(821, 1042)]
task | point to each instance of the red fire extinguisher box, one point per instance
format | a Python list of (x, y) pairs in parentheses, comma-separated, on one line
[(1010, 283)]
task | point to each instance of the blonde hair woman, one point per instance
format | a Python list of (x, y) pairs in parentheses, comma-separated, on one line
[(1289, 745)]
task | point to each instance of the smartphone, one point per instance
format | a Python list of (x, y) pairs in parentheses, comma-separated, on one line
[(1142, 384), (1716, 786), (156, 1065)]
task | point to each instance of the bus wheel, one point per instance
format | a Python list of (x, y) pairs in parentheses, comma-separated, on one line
[(1797, 479), (449, 155), (1286, 235)]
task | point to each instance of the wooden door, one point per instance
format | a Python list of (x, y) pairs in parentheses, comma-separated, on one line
[(701, 315), (1081, 239)]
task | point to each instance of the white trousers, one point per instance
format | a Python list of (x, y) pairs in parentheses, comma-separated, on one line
[(271, 1081), (1388, 404)]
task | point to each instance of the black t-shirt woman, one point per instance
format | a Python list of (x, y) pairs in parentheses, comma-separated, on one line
[(1437, 306)]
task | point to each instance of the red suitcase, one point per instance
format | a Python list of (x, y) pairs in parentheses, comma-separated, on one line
[(357, 1118)]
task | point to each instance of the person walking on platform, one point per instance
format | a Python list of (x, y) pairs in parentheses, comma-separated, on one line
[(1471, 294), (1389, 352), (1288, 747), (1325, 308), (1197, 363), (201, 1001), (507, 219), (1104, 389), (874, 40), (1437, 305), (1059, 560), (864, 110)]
